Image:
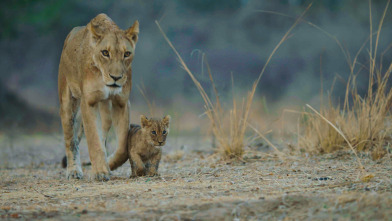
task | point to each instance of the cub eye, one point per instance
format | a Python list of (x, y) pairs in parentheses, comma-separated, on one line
[(127, 54), (105, 53), (153, 132), (164, 132)]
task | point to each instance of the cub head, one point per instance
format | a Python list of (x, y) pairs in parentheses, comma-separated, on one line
[(112, 49), (155, 130)]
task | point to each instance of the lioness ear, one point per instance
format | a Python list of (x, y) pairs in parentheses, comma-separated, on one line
[(96, 26), (144, 121), (166, 120), (133, 31)]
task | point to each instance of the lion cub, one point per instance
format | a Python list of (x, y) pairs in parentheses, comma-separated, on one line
[(144, 145)]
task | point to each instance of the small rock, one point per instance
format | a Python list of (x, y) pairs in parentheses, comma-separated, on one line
[(322, 178), (14, 215), (367, 189)]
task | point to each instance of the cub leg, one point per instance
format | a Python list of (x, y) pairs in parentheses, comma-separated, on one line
[(137, 165), (106, 121), (120, 116), (71, 125), (154, 164), (96, 151)]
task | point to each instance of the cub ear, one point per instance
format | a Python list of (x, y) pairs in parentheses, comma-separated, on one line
[(133, 32), (144, 121), (166, 120)]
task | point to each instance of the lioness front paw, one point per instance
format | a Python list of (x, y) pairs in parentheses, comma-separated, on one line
[(102, 176), (74, 173), (101, 171)]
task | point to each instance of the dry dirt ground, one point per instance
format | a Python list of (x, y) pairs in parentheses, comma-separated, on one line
[(194, 185)]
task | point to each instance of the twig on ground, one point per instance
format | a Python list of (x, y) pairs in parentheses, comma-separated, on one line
[(48, 196)]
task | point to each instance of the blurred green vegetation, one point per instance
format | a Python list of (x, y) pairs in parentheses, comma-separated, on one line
[(234, 34), (45, 16), (48, 15)]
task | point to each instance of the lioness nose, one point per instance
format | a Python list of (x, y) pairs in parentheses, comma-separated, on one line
[(115, 78)]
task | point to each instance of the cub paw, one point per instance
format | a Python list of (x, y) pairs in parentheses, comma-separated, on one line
[(140, 172), (74, 173), (151, 174)]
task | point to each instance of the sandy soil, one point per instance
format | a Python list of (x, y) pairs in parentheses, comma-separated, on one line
[(194, 185)]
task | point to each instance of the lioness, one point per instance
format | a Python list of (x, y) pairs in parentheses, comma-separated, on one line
[(144, 146), (95, 77)]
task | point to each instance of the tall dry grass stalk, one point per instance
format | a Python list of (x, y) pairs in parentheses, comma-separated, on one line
[(229, 131), (363, 123), (151, 105)]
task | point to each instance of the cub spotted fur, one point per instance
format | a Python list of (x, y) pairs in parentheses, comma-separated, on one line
[(144, 146)]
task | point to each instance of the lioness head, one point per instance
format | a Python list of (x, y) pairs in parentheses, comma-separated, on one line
[(155, 130), (112, 48)]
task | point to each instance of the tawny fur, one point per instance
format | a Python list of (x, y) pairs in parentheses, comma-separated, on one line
[(144, 146), (93, 87)]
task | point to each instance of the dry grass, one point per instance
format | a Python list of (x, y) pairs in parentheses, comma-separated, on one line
[(229, 126), (151, 105), (363, 123), (194, 186)]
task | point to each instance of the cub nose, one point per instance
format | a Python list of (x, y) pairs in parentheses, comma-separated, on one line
[(160, 143), (115, 78)]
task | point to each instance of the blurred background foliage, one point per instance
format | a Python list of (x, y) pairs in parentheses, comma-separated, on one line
[(236, 36)]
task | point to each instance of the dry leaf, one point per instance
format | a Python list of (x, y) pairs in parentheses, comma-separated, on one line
[(367, 178)]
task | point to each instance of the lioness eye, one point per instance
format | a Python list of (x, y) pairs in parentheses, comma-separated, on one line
[(105, 53), (127, 54), (164, 132), (154, 132)]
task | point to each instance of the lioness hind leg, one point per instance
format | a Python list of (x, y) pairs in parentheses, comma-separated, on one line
[(71, 124), (78, 127)]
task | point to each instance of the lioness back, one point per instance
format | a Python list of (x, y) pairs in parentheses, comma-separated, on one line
[(72, 34), (133, 129)]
